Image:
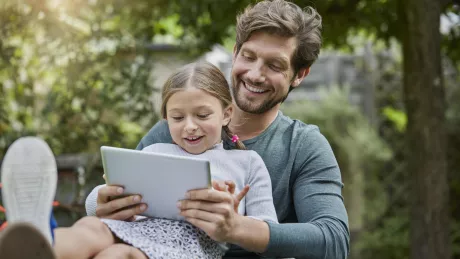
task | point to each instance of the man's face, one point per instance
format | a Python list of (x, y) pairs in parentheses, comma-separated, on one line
[(262, 72)]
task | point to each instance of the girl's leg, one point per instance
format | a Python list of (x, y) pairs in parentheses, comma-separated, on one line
[(122, 251), (29, 179), (23, 240), (85, 239)]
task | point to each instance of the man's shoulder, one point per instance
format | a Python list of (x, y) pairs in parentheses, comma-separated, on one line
[(309, 146), (159, 133), (304, 138), (300, 130)]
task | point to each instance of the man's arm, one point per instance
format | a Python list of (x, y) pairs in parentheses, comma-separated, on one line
[(250, 234), (213, 212), (322, 231)]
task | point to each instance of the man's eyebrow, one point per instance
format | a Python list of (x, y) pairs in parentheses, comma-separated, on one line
[(245, 49), (284, 61)]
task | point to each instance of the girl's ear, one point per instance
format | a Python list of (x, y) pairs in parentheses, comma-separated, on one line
[(227, 115)]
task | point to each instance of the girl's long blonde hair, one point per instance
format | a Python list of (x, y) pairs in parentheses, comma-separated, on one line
[(204, 76)]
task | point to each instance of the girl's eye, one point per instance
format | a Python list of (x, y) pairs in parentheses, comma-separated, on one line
[(203, 116), (177, 118)]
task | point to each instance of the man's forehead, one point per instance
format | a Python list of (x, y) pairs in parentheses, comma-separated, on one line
[(271, 44)]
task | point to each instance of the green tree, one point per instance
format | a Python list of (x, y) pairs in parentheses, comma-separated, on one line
[(424, 98), (76, 73)]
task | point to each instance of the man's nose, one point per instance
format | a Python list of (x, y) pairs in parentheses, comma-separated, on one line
[(256, 73)]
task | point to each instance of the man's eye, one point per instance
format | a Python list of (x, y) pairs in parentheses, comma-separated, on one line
[(275, 68), (247, 57)]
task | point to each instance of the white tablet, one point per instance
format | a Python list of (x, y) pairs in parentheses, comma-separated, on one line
[(161, 179)]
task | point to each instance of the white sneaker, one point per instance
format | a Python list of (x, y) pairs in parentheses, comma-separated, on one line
[(29, 179)]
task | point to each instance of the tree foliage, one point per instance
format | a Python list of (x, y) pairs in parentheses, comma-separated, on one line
[(76, 72), (212, 21)]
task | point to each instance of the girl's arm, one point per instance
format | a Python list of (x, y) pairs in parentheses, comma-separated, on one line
[(259, 199)]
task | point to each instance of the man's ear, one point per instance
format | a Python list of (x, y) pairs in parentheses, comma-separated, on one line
[(235, 52), (227, 115), (303, 72)]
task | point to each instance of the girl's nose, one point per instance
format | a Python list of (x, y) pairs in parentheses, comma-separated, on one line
[(190, 126)]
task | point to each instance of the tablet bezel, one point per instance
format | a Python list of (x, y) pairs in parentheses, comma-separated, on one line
[(152, 172)]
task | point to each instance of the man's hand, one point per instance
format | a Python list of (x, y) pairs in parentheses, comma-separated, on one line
[(213, 211), (111, 207), (230, 186)]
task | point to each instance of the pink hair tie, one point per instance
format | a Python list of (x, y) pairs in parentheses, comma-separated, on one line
[(235, 138)]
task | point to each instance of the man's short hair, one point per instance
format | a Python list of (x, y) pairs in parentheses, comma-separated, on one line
[(286, 19)]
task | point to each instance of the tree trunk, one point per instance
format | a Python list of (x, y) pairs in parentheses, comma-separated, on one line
[(426, 132)]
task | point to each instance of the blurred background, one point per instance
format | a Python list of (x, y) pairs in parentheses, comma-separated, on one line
[(86, 73)]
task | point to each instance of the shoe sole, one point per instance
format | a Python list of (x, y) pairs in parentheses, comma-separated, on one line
[(24, 241), (29, 178)]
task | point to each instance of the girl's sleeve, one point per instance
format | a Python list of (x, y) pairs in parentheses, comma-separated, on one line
[(259, 199)]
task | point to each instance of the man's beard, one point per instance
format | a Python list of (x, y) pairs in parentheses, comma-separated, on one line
[(246, 106)]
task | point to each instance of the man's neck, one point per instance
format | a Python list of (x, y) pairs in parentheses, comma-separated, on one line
[(248, 125)]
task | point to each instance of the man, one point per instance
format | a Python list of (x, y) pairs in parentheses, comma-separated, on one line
[(276, 44)]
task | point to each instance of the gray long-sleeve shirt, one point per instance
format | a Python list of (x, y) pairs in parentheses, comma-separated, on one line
[(307, 188)]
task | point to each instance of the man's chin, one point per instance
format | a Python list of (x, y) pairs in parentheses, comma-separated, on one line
[(245, 104), (248, 108)]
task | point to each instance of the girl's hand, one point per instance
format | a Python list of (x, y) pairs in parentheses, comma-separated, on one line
[(113, 207), (112, 204)]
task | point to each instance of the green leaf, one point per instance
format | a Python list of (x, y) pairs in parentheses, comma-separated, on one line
[(398, 117)]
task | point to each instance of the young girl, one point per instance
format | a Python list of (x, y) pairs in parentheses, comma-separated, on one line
[(196, 102)]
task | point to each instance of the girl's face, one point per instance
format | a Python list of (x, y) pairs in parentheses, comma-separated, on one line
[(195, 119)]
